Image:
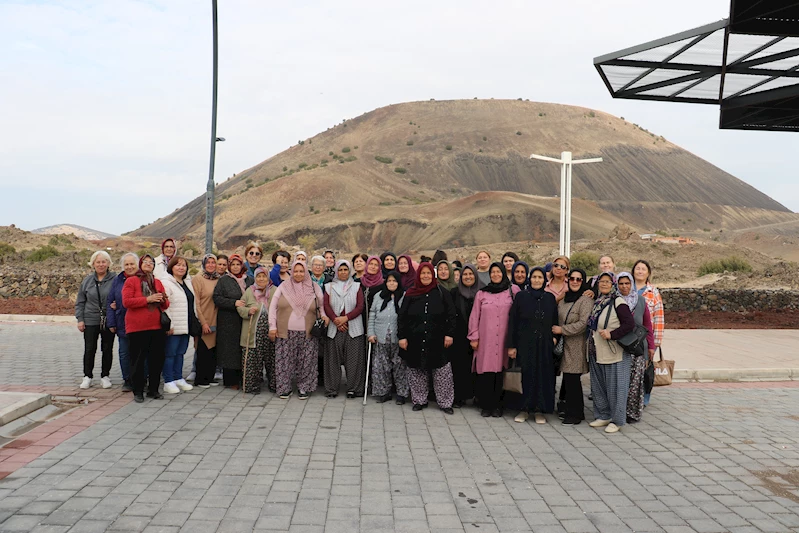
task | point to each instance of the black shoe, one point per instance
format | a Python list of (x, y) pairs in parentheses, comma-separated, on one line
[(569, 421), (127, 387), (331, 394), (400, 400), (497, 413), (155, 395), (448, 410), (138, 398), (457, 404), (419, 406), (485, 413), (255, 391), (384, 398), (303, 395), (561, 415), (350, 395)]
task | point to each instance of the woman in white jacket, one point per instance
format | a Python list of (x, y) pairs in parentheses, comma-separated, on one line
[(181, 311)]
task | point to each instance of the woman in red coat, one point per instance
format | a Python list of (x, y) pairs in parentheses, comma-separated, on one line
[(144, 298)]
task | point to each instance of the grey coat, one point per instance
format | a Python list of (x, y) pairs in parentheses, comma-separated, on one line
[(381, 322), (87, 304), (574, 345)]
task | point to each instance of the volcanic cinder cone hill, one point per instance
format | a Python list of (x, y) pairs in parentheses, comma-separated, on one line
[(432, 174)]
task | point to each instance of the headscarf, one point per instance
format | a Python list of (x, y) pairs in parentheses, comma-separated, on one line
[(371, 280), (146, 279), (503, 285), (163, 243), (206, 275), (418, 289), (632, 298), (261, 295), (572, 296), (448, 283), (299, 294), (298, 252), (537, 292), (383, 263), (469, 292), (341, 287), (526, 284), (241, 277), (602, 301), (409, 278), (387, 295)]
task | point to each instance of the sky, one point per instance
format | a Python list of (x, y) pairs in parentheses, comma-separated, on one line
[(105, 105)]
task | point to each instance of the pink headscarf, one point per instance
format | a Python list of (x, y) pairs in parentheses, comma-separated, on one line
[(372, 280), (261, 295), (300, 294)]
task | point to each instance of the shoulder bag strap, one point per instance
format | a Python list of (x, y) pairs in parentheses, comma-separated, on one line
[(100, 299), (510, 290)]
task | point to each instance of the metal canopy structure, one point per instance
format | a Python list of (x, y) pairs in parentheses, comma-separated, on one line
[(747, 64)]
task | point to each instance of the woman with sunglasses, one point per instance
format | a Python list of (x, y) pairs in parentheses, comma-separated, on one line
[(558, 285), (252, 254), (573, 313)]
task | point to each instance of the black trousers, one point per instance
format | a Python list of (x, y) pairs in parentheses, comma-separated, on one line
[(489, 389), (147, 346), (206, 363), (572, 393), (90, 335)]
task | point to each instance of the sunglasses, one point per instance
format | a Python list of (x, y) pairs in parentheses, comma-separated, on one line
[(558, 265), (256, 254), (575, 279)]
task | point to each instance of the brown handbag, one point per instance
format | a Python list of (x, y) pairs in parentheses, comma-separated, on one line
[(664, 370), (512, 380)]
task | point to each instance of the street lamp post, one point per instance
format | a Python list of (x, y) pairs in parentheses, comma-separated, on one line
[(566, 162), (209, 191)]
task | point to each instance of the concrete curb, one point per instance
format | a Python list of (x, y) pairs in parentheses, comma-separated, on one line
[(39, 318), (737, 374), (23, 404)]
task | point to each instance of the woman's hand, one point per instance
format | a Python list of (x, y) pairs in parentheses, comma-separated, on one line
[(253, 310), (448, 342), (651, 355), (403, 343), (114, 330), (373, 339), (327, 320), (272, 335), (156, 298), (474, 344), (605, 334), (512, 353), (206, 329), (557, 330), (340, 320), (240, 303), (114, 306), (81, 326), (589, 294), (171, 331)]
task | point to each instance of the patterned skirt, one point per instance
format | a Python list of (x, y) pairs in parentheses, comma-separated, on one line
[(635, 400)]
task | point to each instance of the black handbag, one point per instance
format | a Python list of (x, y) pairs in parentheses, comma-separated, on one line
[(166, 322), (649, 377), (318, 328), (633, 342), (195, 328)]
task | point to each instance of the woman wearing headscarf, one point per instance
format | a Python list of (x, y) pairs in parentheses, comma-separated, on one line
[(521, 274), (253, 254), (389, 261), (280, 270), (116, 315), (144, 298), (344, 302), (372, 279), (640, 311), (300, 255), (642, 271), (90, 312), (292, 313), (573, 313), (407, 271), (461, 353), (382, 333), (426, 327), (530, 339), (258, 349), (508, 260), (488, 327), (483, 261), (444, 276), (438, 256), (204, 286), (168, 250), (609, 321), (228, 296)]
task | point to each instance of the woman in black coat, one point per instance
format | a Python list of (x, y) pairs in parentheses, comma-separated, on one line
[(228, 295), (461, 353), (425, 328), (530, 339)]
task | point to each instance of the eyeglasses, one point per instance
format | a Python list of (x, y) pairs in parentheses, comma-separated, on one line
[(256, 254), (148, 262), (558, 265), (605, 282), (575, 279)]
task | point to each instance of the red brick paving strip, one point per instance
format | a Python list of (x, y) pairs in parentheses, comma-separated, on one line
[(38, 441)]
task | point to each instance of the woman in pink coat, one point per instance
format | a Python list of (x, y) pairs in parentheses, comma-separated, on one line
[(488, 325)]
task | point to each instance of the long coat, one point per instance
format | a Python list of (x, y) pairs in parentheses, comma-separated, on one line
[(532, 316), (488, 325), (425, 320), (573, 317), (461, 353), (228, 322)]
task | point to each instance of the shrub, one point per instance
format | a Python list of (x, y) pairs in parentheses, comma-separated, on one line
[(308, 242), (248, 181), (386, 160), (269, 247), (350, 158), (409, 143), (310, 208), (728, 264), (355, 147), (591, 114), (415, 181), (400, 170), (43, 253), (345, 150), (587, 261), (324, 161), (193, 271), (302, 165), (518, 133), (285, 169), (485, 138), (335, 209), (6, 249), (190, 246), (384, 203), (330, 152), (448, 147)]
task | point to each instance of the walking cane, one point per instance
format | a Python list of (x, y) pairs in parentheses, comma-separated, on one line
[(246, 355), (368, 368)]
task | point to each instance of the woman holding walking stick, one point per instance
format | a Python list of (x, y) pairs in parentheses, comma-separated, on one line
[(255, 331)]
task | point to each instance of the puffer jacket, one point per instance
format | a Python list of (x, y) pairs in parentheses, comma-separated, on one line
[(178, 304)]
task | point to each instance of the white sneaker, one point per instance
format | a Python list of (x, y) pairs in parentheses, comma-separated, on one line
[(171, 388), (522, 417), (182, 385), (218, 375), (192, 376), (540, 418), (106, 381), (612, 428), (86, 383), (599, 423)]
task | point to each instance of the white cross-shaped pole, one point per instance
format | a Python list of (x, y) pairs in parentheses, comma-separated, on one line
[(566, 162)]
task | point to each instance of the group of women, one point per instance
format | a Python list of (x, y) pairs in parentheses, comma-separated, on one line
[(449, 332)]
